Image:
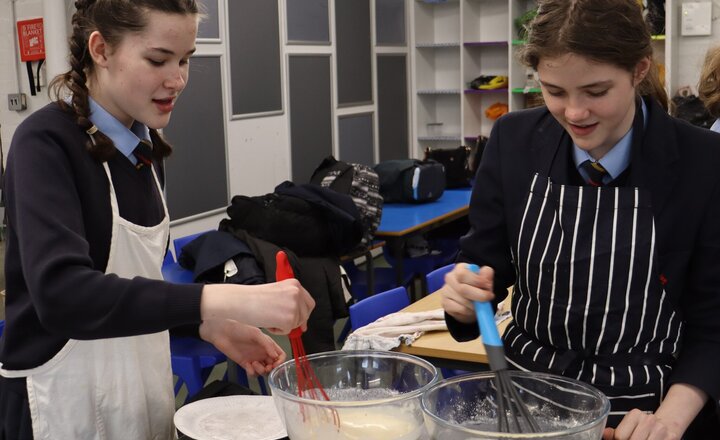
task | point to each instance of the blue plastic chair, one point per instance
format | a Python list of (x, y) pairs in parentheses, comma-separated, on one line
[(384, 279), (180, 242), (370, 309), (192, 361), (448, 247), (412, 266), (436, 278), (173, 272)]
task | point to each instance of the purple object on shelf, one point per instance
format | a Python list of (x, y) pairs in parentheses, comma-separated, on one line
[(484, 91), (485, 43)]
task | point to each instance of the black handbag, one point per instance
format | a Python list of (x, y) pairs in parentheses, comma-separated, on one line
[(480, 143), (456, 162)]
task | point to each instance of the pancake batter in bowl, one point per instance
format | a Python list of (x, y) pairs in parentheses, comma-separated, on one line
[(357, 424)]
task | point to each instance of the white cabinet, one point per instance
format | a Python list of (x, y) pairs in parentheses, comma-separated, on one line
[(456, 41), (436, 73), (485, 31), (666, 46)]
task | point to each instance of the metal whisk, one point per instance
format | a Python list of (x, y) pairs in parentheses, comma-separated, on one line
[(510, 407), (308, 384)]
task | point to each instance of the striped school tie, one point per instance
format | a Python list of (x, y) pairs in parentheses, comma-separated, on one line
[(143, 154), (595, 172)]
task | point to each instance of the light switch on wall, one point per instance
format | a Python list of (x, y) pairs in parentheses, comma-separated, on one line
[(696, 18)]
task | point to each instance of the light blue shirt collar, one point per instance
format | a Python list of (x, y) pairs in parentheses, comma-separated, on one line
[(716, 126), (125, 139), (617, 159)]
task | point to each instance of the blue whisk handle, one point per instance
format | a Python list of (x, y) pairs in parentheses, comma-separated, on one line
[(486, 321), (489, 332)]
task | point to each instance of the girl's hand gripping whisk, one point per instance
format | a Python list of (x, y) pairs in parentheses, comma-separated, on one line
[(308, 384), (509, 401)]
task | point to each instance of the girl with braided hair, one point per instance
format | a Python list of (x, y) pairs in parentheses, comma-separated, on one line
[(85, 351)]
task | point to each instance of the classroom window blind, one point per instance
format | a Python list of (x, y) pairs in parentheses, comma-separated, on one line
[(310, 114), (209, 26), (196, 172), (393, 138), (254, 46), (354, 69), (308, 22), (390, 22), (356, 139)]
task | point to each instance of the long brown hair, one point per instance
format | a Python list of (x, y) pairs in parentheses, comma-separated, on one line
[(607, 31), (113, 19), (709, 84)]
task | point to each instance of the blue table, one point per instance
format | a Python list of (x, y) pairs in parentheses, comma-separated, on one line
[(402, 220)]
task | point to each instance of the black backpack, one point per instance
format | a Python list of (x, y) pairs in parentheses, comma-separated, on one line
[(309, 220), (411, 180), (358, 181)]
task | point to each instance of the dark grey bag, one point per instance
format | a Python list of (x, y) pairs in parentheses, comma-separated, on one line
[(411, 180)]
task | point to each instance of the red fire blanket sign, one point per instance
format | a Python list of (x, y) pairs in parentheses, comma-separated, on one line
[(32, 39)]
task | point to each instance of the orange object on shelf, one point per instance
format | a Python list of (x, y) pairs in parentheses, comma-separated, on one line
[(496, 110)]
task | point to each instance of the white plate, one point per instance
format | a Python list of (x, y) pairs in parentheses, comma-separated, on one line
[(231, 418)]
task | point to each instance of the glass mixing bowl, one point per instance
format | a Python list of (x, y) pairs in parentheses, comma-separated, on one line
[(464, 407), (373, 395)]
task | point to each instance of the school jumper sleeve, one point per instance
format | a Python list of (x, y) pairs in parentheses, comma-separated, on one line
[(698, 363), (486, 244), (58, 239)]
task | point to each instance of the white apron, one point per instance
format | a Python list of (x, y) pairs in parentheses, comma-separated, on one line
[(117, 388)]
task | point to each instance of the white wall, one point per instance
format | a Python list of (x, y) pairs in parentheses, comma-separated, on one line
[(12, 72), (258, 148), (691, 49)]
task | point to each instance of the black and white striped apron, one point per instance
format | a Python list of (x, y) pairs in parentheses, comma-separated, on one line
[(589, 302)]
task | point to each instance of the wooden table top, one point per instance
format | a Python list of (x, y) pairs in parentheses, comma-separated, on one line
[(440, 344)]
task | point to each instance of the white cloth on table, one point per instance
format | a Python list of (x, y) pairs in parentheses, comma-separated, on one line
[(390, 331)]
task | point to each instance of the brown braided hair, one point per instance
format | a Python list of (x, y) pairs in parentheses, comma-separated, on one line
[(113, 19), (606, 31)]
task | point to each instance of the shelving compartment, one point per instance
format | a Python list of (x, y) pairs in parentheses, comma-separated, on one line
[(489, 60), (437, 22), (518, 71), (437, 68), (486, 60), (519, 8), (519, 80), (474, 107), (438, 117), (485, 21)]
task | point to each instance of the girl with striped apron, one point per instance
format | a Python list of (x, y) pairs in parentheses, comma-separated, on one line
[(600, 297), (588, 303), (110, 388)]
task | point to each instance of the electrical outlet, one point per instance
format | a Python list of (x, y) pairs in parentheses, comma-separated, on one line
[(17, 101)]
